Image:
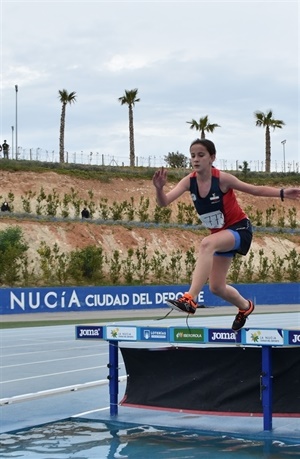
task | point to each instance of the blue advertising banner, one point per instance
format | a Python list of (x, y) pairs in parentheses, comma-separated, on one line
[(62, 299), (191, 335)]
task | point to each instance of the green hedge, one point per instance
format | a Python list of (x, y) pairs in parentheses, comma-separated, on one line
[(92, 266)]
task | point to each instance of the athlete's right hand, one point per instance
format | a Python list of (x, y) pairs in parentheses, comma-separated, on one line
[(160, 178)]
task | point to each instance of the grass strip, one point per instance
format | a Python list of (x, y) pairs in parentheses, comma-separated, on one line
[(49, 323)]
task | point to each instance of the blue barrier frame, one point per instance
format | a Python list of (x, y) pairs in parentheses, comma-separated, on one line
[(266, 383), (267, 386), (264, 338), (113, 377)]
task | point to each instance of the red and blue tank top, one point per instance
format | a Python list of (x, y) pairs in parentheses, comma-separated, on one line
[(217, 210)]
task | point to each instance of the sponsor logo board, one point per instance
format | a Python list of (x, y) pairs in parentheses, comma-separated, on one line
[(270, 337), (294, 337), (121, 333), (154, 334), (218, 335), (89, 332), (193, 335)]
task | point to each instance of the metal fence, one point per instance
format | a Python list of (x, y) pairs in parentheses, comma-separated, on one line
[(100, 159)]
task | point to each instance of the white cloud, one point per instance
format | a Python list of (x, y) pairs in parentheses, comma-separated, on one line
[(119, 63)]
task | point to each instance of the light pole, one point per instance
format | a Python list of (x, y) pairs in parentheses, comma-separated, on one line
[(283, 147), (12, 141), (16, 88)]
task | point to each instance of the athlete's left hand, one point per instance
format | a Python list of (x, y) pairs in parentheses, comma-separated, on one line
[(292, 193)]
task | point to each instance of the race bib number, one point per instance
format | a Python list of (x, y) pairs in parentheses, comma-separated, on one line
[(213, 220)]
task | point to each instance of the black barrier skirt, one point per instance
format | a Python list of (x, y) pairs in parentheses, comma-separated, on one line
[(210, 379)]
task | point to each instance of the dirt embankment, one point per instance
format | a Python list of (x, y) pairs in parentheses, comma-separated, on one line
[(78, 234)]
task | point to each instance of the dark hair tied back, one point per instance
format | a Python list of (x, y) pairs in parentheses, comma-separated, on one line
[(208, 144)]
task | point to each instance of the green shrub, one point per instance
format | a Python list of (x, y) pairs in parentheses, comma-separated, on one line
[(12, 252), (87, 264)]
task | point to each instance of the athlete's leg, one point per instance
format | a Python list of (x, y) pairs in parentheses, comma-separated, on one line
[(223, 241), (218, 285)]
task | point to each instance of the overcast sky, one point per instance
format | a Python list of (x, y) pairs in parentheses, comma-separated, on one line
[(187, 60)]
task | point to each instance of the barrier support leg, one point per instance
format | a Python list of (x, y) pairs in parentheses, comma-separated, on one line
[(113, 377), (267, 386)]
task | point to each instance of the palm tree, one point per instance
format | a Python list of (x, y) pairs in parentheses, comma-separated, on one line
[(203, 126), (65, 98), (130, 99), (266, 120)]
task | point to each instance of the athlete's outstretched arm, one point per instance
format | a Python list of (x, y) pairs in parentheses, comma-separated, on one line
[(159, 181)]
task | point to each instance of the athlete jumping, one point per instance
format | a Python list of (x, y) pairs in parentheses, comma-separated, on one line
[(212, 193)]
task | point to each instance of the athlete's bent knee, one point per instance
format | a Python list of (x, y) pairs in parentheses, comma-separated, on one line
[(207, 245), (217, 289)]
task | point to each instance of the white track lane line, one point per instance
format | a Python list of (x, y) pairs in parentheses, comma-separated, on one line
[(52, 360), (53, 374)]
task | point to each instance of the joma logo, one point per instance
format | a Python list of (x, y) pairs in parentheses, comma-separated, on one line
[(88, 332), (223, 336), (296, 338)]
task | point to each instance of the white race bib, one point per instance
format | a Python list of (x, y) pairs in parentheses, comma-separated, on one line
[(213, 220)]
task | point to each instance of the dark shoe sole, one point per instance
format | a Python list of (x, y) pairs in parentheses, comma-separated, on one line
[(181, 307)]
